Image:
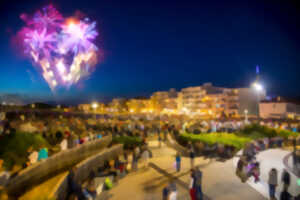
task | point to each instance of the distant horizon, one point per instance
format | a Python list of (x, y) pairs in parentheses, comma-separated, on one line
[(70, 100)]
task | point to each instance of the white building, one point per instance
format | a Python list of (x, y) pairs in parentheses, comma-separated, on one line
[(279, 110)]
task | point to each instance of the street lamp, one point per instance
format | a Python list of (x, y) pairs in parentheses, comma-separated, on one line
[(257, 86), (258, 89), (95, 106)]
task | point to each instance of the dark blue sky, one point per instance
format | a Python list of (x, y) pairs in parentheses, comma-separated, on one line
[(157, 45)]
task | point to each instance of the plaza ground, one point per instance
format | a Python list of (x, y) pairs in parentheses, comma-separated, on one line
[(219, 179), (271, 158)]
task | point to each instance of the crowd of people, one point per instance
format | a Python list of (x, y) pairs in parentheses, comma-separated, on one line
[(112, 170), (64, 132), (248, 167)]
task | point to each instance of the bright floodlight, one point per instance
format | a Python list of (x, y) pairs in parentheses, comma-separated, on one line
[(94, 105), (257, 86)]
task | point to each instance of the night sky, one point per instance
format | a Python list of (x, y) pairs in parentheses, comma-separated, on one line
[(157, 45)]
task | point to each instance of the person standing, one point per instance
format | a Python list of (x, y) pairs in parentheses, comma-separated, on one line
[(165, 131), (272, 183), (64, 144), (146, 156), (178, 162), (165, 193), (198, 184), (172, 190), (135, 157), (285, 195), (192, 156), (286, 179), (191, 186), (159, 140)]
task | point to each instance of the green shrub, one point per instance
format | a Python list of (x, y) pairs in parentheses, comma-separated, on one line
[(286, 133), (13, 147), (229, 139), (256, 131)]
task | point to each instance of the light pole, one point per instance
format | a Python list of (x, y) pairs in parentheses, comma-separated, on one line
[(95, 106), (33, 106), (258, 89), (246, 116)]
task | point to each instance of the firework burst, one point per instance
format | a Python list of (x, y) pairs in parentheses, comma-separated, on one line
[(61, 47)]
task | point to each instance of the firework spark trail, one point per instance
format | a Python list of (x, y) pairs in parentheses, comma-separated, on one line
[(63, 48)]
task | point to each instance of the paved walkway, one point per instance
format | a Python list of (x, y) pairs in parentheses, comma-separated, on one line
[(219, 179), (271, 158)]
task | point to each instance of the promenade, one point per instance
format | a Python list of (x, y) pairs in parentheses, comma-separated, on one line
[(268, 159), (219, 179)]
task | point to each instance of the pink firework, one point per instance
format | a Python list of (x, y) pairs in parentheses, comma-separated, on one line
[(63, 49)]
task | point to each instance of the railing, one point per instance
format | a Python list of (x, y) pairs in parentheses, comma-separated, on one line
[(53, 165), (294, 168), (84, 168)]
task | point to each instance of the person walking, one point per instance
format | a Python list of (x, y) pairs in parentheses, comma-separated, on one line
[(286, 179), (178, 162), (272, 183)]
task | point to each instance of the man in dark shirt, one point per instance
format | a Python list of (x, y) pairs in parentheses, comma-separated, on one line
[(74, 187), (286, 179), (285, 195)]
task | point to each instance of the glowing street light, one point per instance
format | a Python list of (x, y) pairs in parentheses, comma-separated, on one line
[(94, 105), (258, 89), (257, 86)]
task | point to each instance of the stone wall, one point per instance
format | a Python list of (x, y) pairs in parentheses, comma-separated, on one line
[(84, 168), (55, 164)]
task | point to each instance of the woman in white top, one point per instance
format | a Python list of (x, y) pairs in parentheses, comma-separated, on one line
[(173, 195), (145, 156), (273, 182)]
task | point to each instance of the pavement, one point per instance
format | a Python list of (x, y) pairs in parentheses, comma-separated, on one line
[(272, 158), (219, 179)]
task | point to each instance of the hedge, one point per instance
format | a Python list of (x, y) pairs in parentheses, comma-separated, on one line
[(229, 139), (256, 131)]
